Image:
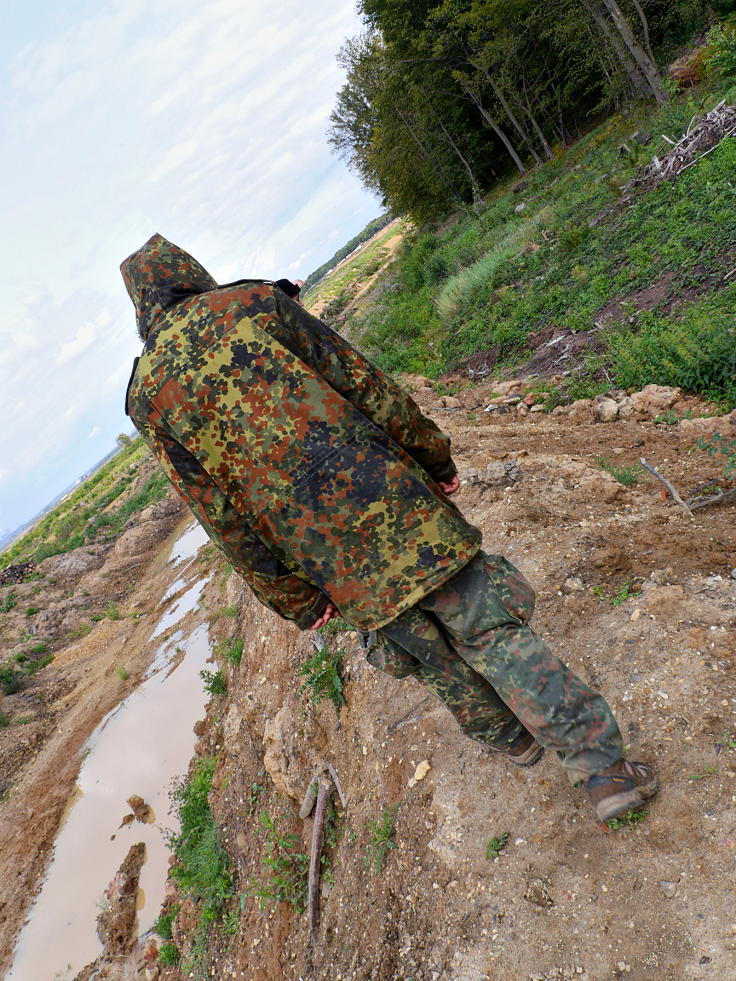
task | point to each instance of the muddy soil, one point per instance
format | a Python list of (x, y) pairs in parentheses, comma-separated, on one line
[(564, 899)]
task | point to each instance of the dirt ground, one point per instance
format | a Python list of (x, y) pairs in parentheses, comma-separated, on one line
[(565, 899)]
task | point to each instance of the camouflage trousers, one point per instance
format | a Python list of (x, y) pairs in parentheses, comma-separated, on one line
[(470, 642)]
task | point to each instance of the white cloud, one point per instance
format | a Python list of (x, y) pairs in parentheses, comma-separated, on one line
[(95, 431), (82, 340)]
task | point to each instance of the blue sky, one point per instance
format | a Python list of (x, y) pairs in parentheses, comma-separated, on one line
[(201, 119)]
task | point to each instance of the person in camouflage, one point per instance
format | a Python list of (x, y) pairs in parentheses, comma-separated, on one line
[(329, 492)]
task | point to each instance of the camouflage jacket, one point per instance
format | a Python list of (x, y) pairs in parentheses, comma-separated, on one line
[(312, 470)]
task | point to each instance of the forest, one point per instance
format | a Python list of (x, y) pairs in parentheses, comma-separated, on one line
[(443, 99)]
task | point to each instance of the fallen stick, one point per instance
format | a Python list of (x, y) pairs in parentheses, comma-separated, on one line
[(702, 502), (670, 487), (323, 796), (310, 797), (336, 781)]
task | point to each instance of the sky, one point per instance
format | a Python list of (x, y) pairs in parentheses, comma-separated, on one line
[(203, 120)]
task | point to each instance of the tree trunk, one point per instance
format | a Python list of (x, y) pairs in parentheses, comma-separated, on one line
[(535, 125), (507, 109), (645, 29), (646, 64), (637, 80), (475, 186), (475, 99), (428, 156)]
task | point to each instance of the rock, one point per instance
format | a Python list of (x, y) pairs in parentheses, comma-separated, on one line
[(530, 399), (450, 402), (538, 894), (143, 812), (421, 772), (116, 925), (605, 409), (520, 207), (72, 565), (581, 409), (573, 585), (281, 752), (518, 187), (499, 473), (733, 573), (626, 409), (507, 387), (537, 408), (653, 399), (521, 410), (668, 888)]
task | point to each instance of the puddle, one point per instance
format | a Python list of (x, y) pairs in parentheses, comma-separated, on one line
[(187, 546), (137, 749), (186, 602)]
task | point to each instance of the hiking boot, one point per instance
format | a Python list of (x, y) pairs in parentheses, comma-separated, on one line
[(524, 750), (619, 787)]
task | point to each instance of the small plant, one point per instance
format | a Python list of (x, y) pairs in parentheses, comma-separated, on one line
[(163, 924), (381, 843), (322, 672), (33, 666), (255, 795), (39, 648), (4, 720), (721, 42), (82, 630), (628, 476), (709, 771), (334, 626), (286, 866), (671, 418), (628, 820), (122, 674), (11, 680), (31, 611), (230, 611), (233, 650), (112, 612), (21, 657), (169, 955), (496, 845), (8, 602), (628, 590), (214, 682), (726, 447)]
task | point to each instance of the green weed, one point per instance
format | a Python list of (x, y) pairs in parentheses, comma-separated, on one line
[(163, 924), (214, 682), (381, 843), (286, 868), (8, 602), (11, 681), (122, 674), (82, 630), (33, 666), (4, 720), (725, 447), (322, 673), (335, 626), (628, 590), (232, 650), (230, 611), (255, 795), (628, 476), (709, 771), (39, 648), (169, 955), (31, 611), (628, 820), (112, 612), (727, 741), (496, 845)]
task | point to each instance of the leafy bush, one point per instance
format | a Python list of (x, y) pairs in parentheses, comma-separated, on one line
[(233, 651), (4, 720), (381, 842), (628, 476), (169, 955), (214, 682), (163, 924), (11, 680), (8, 602), (724, 446), (721, 41)]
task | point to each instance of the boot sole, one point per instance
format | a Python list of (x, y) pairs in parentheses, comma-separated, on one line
[(530, 758), (620, 803)]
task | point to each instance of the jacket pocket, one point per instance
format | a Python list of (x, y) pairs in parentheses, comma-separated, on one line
[(513, 589)]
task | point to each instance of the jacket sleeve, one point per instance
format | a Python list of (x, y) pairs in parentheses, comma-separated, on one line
[(364, 385), (282, 590)]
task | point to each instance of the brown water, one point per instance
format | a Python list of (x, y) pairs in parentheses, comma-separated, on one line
[(138, 748)]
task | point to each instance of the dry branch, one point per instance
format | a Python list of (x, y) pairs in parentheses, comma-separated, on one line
[(670, 487), (702, 502), (323, 796)]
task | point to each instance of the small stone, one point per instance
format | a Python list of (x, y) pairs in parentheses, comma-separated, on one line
[(519, 208), (668, 888), (573, 585), (733, 573), (540, 408)]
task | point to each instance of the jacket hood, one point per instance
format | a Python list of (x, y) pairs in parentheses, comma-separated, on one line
[(159, 275)]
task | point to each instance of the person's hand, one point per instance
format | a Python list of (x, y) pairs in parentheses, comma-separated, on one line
[(449, 487), (330, 613)]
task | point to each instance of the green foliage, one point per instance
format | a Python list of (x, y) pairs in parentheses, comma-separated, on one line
[(381, 842), (4, 720), (285, 865), (232, 650), (202, 868), (11, 681), (323, 680), (628, 820), (214, 682), (33, 666), (628, 476), (719, 444), (727, 741), (721, 42), (334, 626), (230, 611), (628, 590), (169, 955), (122, 673), (82, 630), (164, 922), (9, 601), (39, 648), (255, 795), (112, 612), (495, 845)]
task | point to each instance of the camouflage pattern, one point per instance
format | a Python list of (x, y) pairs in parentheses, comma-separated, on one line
[(313, 471), (470, 642)]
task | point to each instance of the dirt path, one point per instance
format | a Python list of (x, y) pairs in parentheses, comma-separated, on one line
[(563, 900)]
